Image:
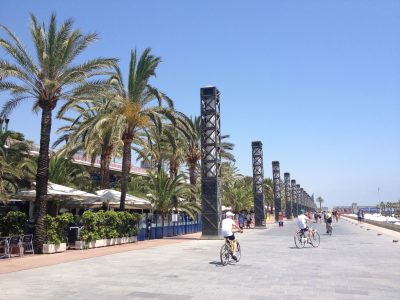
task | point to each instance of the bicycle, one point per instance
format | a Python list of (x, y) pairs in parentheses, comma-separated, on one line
[(226, 251), (301, 239)]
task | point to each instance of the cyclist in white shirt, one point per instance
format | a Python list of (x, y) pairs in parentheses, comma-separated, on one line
[(228, 229), (302, 223)]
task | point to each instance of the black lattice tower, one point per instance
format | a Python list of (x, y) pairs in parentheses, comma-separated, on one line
[(210, 162), (302, 198), (286, 178), (276, 176), (293, 198), (258, 180), (298, 207)]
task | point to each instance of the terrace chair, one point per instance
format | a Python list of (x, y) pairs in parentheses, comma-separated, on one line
[(5, 247), (27, 243), (15, 243)]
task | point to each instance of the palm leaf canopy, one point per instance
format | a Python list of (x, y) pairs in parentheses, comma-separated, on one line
[(51, 75), (134, 102)]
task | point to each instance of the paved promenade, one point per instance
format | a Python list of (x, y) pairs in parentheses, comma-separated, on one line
[(354, 263)]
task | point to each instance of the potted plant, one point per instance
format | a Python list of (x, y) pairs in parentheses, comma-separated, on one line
[(55, 228)]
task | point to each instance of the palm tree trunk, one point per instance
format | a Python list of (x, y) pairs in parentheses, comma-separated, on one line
[(126, 167), (173, 169), (192, 174), (42, 178), (105, 168)]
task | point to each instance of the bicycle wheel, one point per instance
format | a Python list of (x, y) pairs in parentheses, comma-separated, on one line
[(315, 239), (238, 252), (224, 254), (298, 240)]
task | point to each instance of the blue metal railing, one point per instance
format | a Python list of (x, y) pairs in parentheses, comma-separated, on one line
[(159, 232)]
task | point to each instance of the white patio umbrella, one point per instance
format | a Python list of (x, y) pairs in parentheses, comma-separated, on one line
[(113, 197), (58, 192)]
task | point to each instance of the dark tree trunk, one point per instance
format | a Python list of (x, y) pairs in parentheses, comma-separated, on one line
[(173, 169), (192, 174), (126, 167), (105, 168), (42, 178)]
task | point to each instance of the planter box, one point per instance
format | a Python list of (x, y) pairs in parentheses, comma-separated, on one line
[(52, 248), (105, 242), (112, 242)]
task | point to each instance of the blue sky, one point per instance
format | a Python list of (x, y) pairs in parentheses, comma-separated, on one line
[(318, 82)]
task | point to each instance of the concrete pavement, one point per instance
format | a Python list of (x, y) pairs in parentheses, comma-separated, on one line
[(354, 263)]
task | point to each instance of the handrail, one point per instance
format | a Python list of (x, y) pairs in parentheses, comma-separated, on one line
[(84, 160)]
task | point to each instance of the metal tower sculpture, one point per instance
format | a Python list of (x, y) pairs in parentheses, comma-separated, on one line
[(276, 175), (293, 198), (286, 177), (258, 180), (210, 162)]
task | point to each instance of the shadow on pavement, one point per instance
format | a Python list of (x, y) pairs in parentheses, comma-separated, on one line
[(216, 263)]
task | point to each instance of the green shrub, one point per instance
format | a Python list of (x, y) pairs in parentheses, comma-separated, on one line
[(128, 224), (91, 226), (55, 227), (13, 223), (112, 222), (109, 224)]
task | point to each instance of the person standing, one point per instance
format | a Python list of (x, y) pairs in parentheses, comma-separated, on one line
[(241, 220), (248, 219), (359, 216), (148, 228)]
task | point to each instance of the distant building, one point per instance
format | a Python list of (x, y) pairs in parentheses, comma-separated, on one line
[(354, 208)]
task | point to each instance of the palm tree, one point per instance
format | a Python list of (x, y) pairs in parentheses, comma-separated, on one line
[(191, 131), (239, 196), (168, 194), (15, 150), (150, 148), (134, 106), (46, 80), (88, 134), (269, 192), (64, 171), (320, 200), (174, 149), (8, 178)]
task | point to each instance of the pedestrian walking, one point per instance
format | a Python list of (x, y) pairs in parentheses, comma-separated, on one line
[(148, 228), (280, 219), (359, 216)]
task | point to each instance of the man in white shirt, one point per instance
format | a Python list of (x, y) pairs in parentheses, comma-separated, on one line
[(302, 222), (227, 230)]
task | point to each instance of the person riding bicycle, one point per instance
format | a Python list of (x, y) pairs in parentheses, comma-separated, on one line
[(328, 220), (228, 229), (302, 223)]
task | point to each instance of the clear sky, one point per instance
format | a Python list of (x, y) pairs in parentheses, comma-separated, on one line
[(318, 82)]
